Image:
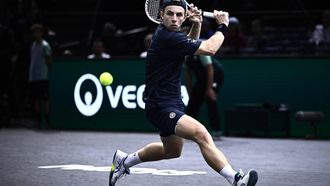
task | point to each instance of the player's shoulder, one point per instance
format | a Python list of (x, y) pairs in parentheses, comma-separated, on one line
[(45, 44)]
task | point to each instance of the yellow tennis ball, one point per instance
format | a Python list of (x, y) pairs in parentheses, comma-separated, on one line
[(106, 78)]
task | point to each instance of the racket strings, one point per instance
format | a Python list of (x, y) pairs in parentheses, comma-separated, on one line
[(153, 9)]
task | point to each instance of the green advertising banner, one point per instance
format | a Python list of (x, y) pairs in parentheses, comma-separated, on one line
[(79, 101)]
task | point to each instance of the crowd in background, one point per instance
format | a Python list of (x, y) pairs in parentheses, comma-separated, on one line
[(106, 36)]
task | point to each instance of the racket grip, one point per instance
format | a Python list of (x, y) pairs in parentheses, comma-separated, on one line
[(208, 14)]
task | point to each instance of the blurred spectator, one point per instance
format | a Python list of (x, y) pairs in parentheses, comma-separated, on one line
[(146, 42), (235, 39), (111, 40), (38, 75), (256, 40), (98, 51), (321, 33), (7, 52)]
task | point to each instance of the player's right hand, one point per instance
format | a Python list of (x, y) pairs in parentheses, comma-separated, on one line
[(194, 14), (221, 17)]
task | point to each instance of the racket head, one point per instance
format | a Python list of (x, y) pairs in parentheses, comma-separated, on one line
[(152, 9)]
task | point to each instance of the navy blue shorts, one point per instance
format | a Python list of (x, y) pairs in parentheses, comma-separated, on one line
[(165, 119)]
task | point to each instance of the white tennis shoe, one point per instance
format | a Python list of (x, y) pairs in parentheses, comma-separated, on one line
[(118, 169), (250, 179)]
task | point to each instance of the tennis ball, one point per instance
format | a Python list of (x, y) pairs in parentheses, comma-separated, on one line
[(106, 78)]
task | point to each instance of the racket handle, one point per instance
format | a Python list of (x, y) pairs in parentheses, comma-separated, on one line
[(208, 14)]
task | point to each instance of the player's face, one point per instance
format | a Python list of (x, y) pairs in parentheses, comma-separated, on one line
[(37, 34), (173, 17)]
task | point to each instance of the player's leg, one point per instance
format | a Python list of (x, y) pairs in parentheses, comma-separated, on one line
[(189, 128), (36, 97), (170, 147), (47, 105), (165, 119), (44, 105)]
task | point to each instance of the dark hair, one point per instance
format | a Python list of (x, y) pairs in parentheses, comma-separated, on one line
[(37, 27), (174, 2)]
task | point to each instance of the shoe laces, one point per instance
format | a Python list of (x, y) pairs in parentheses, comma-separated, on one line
[(239, 175), (121, 165)]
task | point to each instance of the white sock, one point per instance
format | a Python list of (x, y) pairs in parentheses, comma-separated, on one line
[(229, 173), (132, 159)]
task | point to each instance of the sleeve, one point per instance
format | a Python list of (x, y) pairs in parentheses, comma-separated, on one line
[(47, 49), (183, 45), (206, 60)]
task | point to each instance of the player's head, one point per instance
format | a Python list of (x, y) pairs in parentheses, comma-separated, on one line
[(37, 31), (173, 14), (174, 3)]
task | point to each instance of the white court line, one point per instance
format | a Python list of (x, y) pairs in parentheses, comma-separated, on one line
[(166, 172)]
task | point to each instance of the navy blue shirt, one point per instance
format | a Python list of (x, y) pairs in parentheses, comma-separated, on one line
[(164, 66)]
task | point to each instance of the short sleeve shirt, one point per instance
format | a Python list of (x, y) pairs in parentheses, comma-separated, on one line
[(164, 66), (38, 67)]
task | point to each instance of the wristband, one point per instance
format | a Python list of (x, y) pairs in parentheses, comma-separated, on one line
[(223, 28)]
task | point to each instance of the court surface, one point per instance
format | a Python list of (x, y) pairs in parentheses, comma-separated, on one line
[(61, 158)]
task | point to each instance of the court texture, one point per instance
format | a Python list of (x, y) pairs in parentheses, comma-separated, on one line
[(83, 158)]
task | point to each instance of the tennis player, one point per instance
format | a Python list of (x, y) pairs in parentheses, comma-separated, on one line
[(164, 106)]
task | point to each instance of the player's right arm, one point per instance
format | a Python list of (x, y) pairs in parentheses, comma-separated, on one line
[(213, 44)]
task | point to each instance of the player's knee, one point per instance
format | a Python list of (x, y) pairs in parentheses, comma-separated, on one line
[(202, 136)]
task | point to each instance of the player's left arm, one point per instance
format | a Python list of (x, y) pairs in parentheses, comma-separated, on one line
[(213, 44)]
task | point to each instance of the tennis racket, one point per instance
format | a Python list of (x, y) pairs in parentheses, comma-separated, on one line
[(153, 7)]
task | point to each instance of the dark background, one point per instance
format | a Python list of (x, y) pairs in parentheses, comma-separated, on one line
[(76, 23)]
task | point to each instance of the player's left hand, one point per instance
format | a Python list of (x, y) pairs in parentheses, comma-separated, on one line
[(195, 14)]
